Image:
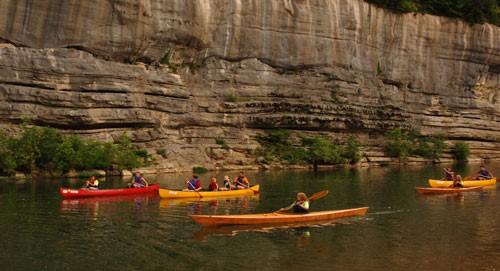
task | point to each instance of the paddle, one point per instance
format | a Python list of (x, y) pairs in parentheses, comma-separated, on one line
[(194, 189), (315, 196)]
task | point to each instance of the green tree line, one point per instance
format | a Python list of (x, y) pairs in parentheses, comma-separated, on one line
[(472, 11), (314, 150), (46, 149)]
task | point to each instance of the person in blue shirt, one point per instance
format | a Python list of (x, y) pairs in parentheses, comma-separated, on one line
[(138, 181), (484, 174), (193, 184)]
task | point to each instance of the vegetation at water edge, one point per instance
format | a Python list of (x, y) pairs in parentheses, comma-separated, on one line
[(46, 149), (315, 150), (460, 151), (401, 144)]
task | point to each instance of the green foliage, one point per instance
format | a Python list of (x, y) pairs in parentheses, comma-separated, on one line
[(46, 149), (472, 11), (430, 147), (162, 152), (230, 97), (351, 150), (460, 151), (321, 151), (315, 150), (402, 144), (167, 60), (7, 161), (398, 143), (199, 170), (222, 143)]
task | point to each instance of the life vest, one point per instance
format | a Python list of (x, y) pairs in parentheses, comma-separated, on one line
[(194, 184)]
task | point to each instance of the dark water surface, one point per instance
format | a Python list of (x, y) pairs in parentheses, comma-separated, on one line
[(402, 231)]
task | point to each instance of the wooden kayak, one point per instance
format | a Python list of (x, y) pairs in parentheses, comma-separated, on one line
[(68, 193), (177, 194), (426, 190), (276, 218), (467, 183)]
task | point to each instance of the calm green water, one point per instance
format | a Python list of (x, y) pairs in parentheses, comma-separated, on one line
[(402, 231)]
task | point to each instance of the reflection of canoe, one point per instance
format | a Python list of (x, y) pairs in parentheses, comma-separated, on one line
[(166, 203), (276, 218), (110, 199), (424, 190), (467, 183), (175, 194), (81, 193)]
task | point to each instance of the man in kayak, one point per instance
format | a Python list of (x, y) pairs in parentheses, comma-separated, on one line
[(448, 174), (241, 182), (92, 183), (139, 181), (484, 174), (300, 205), (194, 184), (213, 186)]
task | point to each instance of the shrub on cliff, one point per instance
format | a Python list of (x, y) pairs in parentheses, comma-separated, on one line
[(401, 144), (472, 11), (47, 149), (7, 162), (351, 150), (314, 150), (460, 151), (398, 143)]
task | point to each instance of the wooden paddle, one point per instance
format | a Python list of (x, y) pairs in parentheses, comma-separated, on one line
[(315, 196)]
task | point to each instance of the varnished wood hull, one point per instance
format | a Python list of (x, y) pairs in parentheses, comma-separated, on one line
[(427, 191), (276, 218)]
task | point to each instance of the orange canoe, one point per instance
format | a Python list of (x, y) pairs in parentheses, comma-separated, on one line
[(276, 218), (425, 190)]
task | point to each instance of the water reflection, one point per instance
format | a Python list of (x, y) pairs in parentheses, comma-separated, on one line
[(211, 205)]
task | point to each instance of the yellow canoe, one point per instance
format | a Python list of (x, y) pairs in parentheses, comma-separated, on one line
[(467, 183), (177, 194)]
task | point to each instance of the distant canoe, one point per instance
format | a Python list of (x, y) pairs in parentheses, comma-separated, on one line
[(276, 218), (68, 193), (425, 190), (467, 183), (178, 194)]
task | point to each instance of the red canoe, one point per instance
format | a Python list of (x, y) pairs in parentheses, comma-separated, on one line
[(68, 193), (424, 190)]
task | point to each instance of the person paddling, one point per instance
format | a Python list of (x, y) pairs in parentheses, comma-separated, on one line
[(300, 205), (241, 182), (448, 174), (139, 181), (92, 183), (484, 174), (193, 184)]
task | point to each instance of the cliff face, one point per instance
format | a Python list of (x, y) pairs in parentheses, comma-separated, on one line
[(177, 75)]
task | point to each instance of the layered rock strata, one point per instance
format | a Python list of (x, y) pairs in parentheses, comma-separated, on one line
[(177, 75)]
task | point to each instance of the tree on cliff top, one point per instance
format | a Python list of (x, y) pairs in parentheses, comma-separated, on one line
[(472, 11)]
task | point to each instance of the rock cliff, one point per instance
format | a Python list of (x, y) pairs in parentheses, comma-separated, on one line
[(178, 74)]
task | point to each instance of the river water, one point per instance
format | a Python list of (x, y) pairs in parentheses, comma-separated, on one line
[(402, 230)]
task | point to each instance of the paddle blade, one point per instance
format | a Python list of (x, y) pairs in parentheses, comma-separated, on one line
[(318, 195)]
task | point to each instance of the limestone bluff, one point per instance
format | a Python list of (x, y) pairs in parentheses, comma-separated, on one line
[(336, 67)]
